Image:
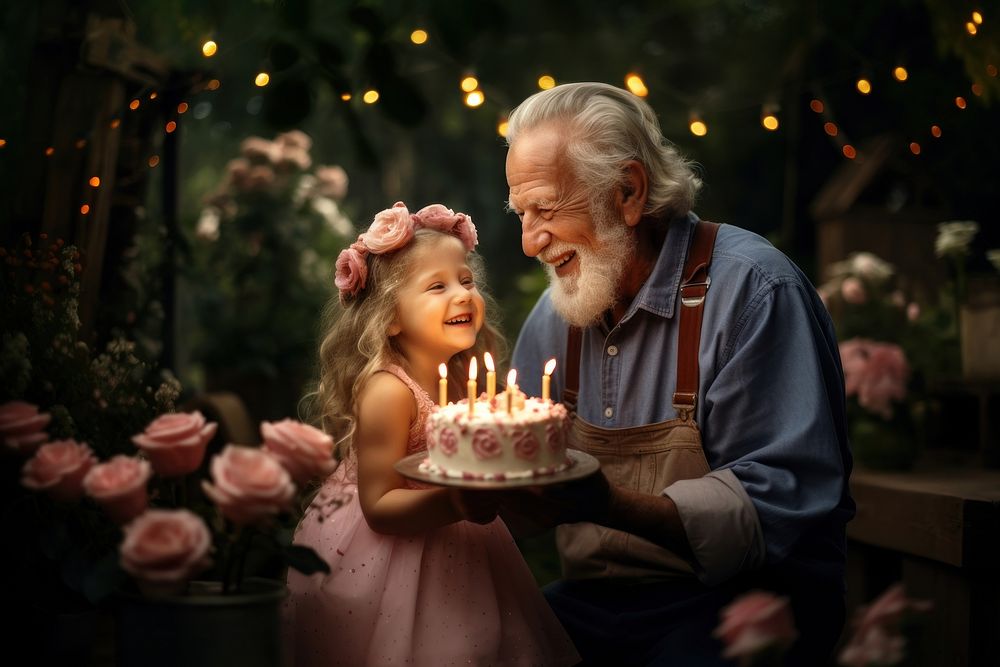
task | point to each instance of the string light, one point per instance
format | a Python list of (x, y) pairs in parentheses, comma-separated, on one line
[(900, 74), (115, 123), (970, 27), (816, 105), (977, 18), (418, 36), (262, 79), (213, 84), (474, 98), (864, 86), (50, 151), (935, 131), (545, 82), (502, 128), (133, 105), (85, 209), (3, 142), (170, 127), (346, 97), (469, 84), (153, 95), (830, 128), (915, 148), (209, 48), (153, 160), (698, 127), (991, 69), (80, 143), (182, 107), (960, 102), (769, 121), (977, 89), (849, 152), (635, 84), (370, 96), (95, 182)]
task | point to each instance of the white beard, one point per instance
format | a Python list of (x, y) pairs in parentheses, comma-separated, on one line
[(581, 298)]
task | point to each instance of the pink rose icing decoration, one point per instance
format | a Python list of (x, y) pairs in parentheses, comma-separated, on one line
[(553, 436), (485, 444), (525, 445), (163, 546), (448, 442), (391, 230), (175, 443), (22, 426), (250, 485), (119, 487), (58, 468)]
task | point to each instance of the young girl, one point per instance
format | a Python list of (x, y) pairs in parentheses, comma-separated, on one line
[(420, 575)]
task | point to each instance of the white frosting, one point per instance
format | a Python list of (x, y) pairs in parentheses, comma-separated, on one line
[(492, 444)]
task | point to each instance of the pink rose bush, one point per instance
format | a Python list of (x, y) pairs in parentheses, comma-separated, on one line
[(756, 622), (876, 373), (877, 638), (175, 443), (251, 490), (22, 426)]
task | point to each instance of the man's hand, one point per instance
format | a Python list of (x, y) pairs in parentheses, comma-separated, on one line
[(476, 506), (538, 508)]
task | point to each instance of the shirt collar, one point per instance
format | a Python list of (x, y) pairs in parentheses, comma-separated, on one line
[(659, 294)]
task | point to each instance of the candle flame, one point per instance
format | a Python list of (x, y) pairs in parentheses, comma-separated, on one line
[(473, 369), (550, 366), (512, 378), (442, 371), (488, 362)]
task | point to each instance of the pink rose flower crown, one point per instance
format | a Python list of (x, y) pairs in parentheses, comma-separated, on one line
[(391, 230)]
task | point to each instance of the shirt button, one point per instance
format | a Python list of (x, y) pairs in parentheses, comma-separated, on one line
[(609, 412), (612, 350)]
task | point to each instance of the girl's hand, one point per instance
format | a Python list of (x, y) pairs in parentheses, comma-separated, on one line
[(476, 506)]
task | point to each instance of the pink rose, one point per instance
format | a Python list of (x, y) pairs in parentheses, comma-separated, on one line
[(877, 373), (876, 638), (291, 157), (525, 445), (754, 621), (58, 468), (913, 312), (260, 178), (392, 229), (554, 434), (164, 546), (485, 444), (438, 216), (466, 232), (351, 271), (331, 182), (22, 426), (305, 451), (119, 487), (249, 484), (175, 443), (294, 139), (257, 148), (853, 290), (448, 442)]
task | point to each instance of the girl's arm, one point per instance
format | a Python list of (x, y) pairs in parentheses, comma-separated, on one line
[(386, 409)]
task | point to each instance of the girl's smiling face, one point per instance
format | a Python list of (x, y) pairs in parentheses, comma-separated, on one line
[(439, 312)]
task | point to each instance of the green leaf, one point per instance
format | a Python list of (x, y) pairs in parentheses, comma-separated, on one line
[(304, 559)]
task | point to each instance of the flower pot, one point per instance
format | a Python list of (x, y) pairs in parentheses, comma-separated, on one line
[(883, 445), (202, 627)]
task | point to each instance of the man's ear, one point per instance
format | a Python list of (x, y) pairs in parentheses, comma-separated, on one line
[(634, 192)]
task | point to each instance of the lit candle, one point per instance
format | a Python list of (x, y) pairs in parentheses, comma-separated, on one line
[(473, 373), (443, 385), (546, 379), (491, 376), (511, 379)]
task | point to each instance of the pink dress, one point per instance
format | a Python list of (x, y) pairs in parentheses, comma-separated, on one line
[(458, 595)]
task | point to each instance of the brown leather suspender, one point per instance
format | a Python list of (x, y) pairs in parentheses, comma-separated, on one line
[(694, 288)]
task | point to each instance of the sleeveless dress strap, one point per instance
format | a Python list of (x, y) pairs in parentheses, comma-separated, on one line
[(425, 404)]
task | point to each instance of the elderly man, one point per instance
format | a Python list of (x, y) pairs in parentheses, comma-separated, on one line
[(705, 376)]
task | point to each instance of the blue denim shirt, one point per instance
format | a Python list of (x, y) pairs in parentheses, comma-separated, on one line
[(770, 405)]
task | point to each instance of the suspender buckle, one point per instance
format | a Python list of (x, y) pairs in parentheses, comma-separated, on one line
[(693, 294), (684, 404)]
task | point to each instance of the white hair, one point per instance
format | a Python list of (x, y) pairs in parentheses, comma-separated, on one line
[(608, 127)]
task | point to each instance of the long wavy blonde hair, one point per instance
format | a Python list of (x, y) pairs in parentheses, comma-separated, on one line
[(356, 343)]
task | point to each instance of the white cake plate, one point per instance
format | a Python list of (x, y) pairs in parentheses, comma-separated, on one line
[(582, 464)]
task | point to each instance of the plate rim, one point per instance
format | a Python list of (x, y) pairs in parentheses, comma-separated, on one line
[(584, 465)]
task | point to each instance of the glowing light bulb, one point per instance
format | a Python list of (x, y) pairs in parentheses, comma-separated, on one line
[(545, 82), (346, 97), (770, 122), (94, 181), (209, 48), (170, 127), (262, 79), (370, 96), (3, 142), (977, 18), (469, 84), (133, 105), (85, 209), (475, 99), (960, 102), (698, 128), (970, 27), (418, 36), (936, 131), (817, 106), (849, 152), (900, 73), (915, 148), (864, 86), (830, 128), (635, 84), (213, 84), (182, 107), (153, 160), (502, 128)]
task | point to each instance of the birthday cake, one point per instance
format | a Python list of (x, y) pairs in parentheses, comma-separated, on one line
[(494, 443)]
